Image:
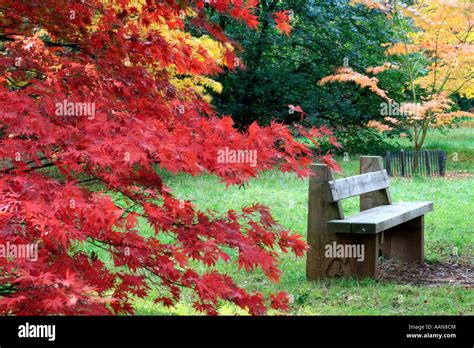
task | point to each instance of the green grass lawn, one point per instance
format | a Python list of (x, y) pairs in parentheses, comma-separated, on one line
[(449, 236)]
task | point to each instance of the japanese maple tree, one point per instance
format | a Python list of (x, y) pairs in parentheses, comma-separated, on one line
[(96, 97)]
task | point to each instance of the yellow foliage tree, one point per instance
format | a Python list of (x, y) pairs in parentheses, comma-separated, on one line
[(202, 48), (444, 36)]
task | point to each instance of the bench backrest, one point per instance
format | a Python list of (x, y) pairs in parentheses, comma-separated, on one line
[(358, 184), (372, 185)]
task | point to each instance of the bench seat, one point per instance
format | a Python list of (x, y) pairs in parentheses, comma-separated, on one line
[(381, 218)]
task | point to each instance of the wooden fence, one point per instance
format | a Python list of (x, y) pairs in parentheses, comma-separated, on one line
[(409, 163)]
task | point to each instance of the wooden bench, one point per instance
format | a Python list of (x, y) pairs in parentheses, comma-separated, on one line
[(382, 228)]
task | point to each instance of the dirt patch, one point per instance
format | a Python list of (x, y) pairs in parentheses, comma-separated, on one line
[(427, 274)]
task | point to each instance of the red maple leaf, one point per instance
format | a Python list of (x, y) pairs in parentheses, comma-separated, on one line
[(280, 301), (282, 20), (298, 109)]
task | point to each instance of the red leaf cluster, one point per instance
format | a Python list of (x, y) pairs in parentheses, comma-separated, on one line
[(88, 115), (282, 20)]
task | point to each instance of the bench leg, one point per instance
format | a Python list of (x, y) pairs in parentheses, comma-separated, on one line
[(405, 242), (385, 244), (369, 266)]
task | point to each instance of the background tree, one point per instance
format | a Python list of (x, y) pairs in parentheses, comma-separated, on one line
[(444, 36), (434, 53), (282, 71)]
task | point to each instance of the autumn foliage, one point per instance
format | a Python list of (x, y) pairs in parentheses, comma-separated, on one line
[(440, 34), (96, 97), (346, 75)]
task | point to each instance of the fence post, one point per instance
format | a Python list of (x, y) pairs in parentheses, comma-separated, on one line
[(441, 158), (402, 162), (427, 163), (388, 164)]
